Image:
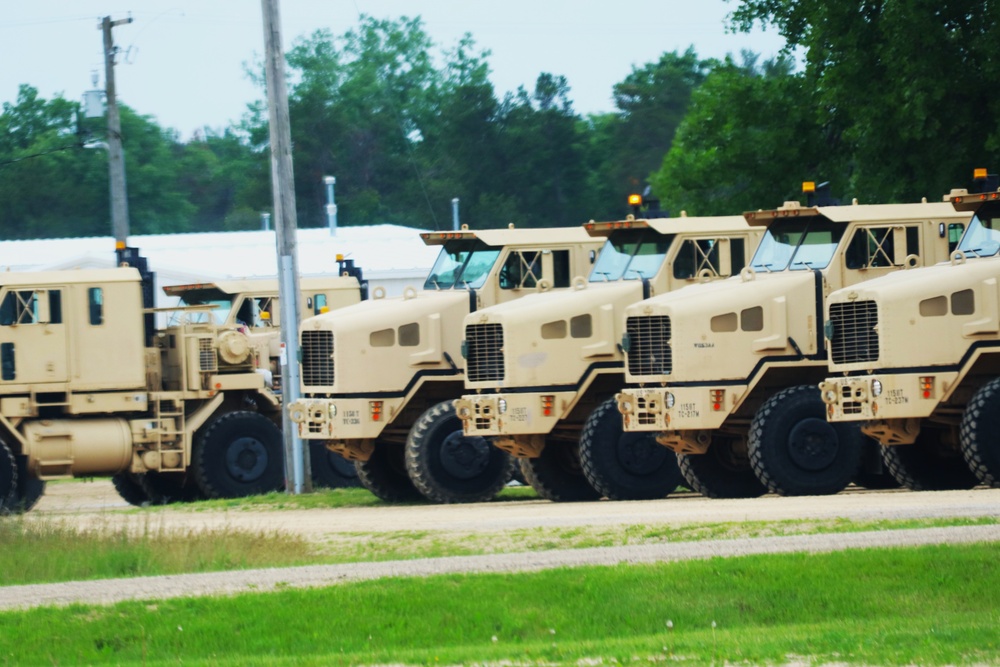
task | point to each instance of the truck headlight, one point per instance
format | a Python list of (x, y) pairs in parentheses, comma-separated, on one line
[(876, 388), (669, 400), (501, 405)]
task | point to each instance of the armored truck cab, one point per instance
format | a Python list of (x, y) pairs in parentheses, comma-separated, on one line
[(88, 388), (545, 368), (915, 359), (247, 313), (378, 379), (726, 372)]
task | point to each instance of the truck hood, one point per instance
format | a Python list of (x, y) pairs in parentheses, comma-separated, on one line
[(555, 337), (921, 317), (723, 330)]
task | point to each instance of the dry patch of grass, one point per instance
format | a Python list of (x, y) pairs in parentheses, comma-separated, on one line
[(39, 550)]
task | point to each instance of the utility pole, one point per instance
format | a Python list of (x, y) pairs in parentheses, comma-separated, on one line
[(298, 476), (116, 158)]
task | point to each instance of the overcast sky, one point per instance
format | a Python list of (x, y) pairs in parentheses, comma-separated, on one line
[(183, 60)]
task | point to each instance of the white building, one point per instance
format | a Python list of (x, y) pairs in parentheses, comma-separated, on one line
[(391, 256)]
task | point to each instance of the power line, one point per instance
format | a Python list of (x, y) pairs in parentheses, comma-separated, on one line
[(42, 154)]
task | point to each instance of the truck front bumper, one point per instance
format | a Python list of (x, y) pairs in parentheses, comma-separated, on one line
[(884, 397), (676, 408), (342, 418), (512, 413)]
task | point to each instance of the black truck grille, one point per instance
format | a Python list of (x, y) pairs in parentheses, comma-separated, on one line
[(855, 332), (649, 345), (317, 358), (484, 352)]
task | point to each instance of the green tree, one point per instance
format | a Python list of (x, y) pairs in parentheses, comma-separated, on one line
[(750, 138), (543, 155), (54, 174), (49, 185), (358, 105), (909, 85)]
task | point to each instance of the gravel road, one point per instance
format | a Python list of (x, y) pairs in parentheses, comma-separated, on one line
[(96, 504)]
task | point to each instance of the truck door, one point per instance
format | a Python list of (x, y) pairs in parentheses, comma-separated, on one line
[(32, 336)]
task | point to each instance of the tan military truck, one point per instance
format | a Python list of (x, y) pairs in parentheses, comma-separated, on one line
[(89, 387), (915, 359), (726, 373), (545, 369), (379, 378)]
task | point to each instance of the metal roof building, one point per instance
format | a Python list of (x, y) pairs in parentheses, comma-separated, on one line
[(390, 255)]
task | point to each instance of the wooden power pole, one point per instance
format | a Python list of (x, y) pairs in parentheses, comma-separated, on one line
[(297, 470), (116, 157)]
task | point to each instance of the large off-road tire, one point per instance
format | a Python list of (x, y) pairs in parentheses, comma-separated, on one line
[(329, 469), (128, 487), (557, 475), (166, 488), (724, 471), (447, 466), (793, 449), (8, 480), (979, 433), (625, 466), (30, 489), (928, 464), (239, 454), (872, 472), (384, 474)]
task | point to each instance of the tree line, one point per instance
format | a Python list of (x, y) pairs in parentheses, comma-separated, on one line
[(888, 101)]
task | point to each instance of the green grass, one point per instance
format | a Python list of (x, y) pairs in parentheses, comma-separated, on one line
[(930, 606), (34, 549)]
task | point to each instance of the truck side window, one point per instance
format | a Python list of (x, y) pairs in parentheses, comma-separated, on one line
[(560, 268), (319, 303), (870, 247), (695, 256), (955, 231), (8, 367), (55, 306), (19, 307), (913, 241), (95, 302), (8, 311), (522, 269), (737, 256), (266, 312)]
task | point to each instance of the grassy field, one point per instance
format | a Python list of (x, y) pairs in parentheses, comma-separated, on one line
[(929, 606), (35, 550)]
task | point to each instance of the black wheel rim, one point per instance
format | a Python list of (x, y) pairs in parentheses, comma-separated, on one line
[(246, 459), (813, 444), (463, 457), (640, 454)]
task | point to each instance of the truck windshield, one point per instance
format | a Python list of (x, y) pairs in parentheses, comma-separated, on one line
[(631, 254), (464, 264), (802, 244), (219, 302), (981, 239)]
